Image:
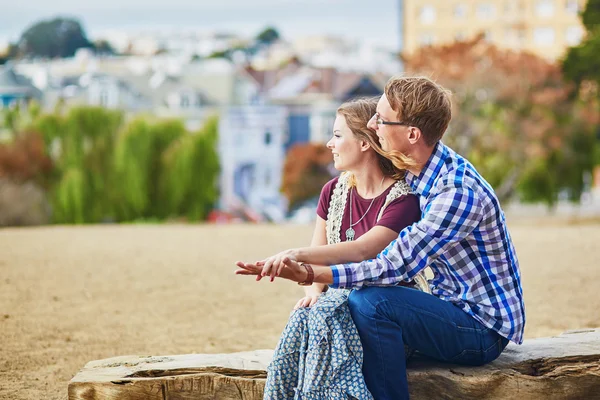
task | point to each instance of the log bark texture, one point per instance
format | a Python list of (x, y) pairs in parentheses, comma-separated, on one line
[(561, 367)]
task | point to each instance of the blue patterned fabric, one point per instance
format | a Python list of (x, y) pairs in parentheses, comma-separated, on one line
[(462, 236), (319, 355)]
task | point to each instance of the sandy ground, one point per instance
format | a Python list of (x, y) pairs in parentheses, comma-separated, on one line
[(69, 295)]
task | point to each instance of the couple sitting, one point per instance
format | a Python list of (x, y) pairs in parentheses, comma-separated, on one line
[(404, 202)]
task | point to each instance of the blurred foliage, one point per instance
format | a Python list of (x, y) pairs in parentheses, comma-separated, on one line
[(581, 64), (103, 47), (515, 118), (54, 38), (25, 159), (268, 36), (96, 166), (305, 171), (58, 37), (191, 170)]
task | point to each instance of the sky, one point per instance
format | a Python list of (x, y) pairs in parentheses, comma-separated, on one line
[(293, 18)]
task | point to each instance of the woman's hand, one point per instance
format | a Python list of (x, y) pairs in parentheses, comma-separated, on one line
[(307, 301), (272, 266), (290, 269)]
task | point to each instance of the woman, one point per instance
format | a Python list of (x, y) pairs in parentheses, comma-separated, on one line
[(319, 355)]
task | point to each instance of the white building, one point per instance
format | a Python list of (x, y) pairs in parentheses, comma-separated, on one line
[(251, 149)]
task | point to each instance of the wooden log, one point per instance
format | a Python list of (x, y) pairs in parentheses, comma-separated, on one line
[(561, 367)]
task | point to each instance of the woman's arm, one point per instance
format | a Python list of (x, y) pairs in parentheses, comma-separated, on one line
[(400, 213), (364, 248)]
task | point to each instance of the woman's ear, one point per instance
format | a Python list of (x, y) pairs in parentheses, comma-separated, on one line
[(364, 145)]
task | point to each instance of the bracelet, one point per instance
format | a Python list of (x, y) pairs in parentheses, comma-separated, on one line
[(310, 277)]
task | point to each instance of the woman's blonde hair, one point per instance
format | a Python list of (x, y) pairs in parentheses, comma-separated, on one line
[(357, 114)]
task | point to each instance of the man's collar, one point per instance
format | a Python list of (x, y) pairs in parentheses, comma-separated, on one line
[(423, 183)]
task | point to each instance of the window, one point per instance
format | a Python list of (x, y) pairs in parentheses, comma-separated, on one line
[(485, 11), (510, 36), (544, 8), (426, 39), (460, 11), (427, 15), (459, 36), (487, 35), (185, 101), (572, 7), (103, 97), (268, 138), (543, 36), (510, 7), (573, 35)]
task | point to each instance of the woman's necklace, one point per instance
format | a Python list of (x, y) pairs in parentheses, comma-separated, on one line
[(350, 233)]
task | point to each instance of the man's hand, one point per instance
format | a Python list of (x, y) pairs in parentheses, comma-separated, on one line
[(290, 269)]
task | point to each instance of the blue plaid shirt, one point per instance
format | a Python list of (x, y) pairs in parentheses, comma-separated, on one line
[(462, 236)]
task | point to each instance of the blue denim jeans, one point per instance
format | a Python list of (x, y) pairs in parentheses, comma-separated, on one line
[(387, 318)]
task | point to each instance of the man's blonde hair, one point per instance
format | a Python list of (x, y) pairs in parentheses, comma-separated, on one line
[(420, 102)]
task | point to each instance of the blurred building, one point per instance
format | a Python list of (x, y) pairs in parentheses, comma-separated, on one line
[(251, 151), (15, 89), (544, 27)]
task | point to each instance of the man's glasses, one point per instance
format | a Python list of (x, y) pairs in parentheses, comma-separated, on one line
[(380, 121)]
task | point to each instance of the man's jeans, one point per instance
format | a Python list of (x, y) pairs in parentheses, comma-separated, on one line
[(387, 318)]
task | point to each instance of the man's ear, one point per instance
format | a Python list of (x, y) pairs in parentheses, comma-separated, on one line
[(414, 134)]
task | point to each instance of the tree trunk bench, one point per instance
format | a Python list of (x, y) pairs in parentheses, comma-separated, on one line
[(561, 367)]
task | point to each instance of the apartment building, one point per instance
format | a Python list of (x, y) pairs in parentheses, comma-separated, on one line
[(544, 27)]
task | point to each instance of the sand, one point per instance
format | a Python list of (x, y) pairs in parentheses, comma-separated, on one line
[(69, 295)]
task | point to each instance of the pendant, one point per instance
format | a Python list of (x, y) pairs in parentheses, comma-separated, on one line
[(350, 234)]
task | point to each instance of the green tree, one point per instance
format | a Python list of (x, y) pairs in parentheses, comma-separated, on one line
[(95, 167), (81, 146), (137, 167), (191, 170), (102, 47), (59, 37), (267, 36), (582, 62)]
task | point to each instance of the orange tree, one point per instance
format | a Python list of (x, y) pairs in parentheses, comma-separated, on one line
[(305, 171), (514, 117)]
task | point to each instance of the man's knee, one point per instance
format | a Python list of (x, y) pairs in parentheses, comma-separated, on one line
[(381, 303)]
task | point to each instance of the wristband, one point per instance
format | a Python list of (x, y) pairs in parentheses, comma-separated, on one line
[(310, 277)]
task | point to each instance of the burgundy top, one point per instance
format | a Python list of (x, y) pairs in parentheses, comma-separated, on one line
[(400, 213)]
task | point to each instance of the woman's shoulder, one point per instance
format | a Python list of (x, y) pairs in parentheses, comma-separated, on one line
[(401, 212), (325, 197), (330, 186)]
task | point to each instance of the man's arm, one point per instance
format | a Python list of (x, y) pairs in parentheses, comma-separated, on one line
[(365, 247), (450, 217)]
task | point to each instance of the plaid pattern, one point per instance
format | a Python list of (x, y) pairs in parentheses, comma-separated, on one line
[(463, 237)]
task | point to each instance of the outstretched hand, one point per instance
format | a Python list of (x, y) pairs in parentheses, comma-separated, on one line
[(288, 269), (250, 269)]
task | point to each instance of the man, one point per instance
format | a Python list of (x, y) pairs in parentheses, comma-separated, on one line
[(477, 303)]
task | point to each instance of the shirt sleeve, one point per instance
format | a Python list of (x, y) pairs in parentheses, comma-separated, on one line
[(447, 219), (325, 197), (400, 213)]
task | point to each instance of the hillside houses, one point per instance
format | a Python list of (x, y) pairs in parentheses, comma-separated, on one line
[(283, 103)]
